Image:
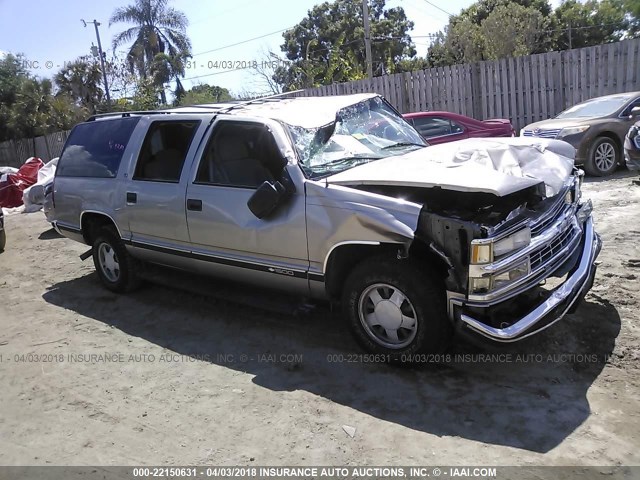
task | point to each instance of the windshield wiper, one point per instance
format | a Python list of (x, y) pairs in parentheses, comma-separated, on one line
[(404, 144)]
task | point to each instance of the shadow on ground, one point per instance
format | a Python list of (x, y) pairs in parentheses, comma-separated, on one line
[(532, 402), (50, 234), (621, 172)]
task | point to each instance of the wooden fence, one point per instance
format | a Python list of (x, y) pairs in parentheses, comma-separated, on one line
[(14, 152), (523, 89)]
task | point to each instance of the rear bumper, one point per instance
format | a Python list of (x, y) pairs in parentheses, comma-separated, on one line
[(555, 306)]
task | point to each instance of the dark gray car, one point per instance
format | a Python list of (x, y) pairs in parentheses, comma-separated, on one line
[(596, 128)]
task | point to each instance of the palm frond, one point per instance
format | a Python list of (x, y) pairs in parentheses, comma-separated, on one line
[(125, 37)]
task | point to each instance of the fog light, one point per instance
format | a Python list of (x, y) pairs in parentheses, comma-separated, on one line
[(480, 285), (519, 271)]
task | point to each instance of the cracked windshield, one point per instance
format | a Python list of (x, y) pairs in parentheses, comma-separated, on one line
[(362, 133)]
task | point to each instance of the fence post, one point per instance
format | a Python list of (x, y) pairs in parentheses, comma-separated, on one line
[(476, 93)]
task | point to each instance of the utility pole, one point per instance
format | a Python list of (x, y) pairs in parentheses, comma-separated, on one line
[(569, 35), (367, 38), (96, 24)]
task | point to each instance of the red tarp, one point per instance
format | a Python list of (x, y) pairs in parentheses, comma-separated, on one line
[(11, 189)]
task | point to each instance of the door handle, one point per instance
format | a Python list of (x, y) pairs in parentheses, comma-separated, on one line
[(194, 204), (132, 197)]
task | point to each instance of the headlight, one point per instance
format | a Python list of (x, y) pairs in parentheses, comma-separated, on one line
[(483, 252), (522, 132), (512, 243), (486, 251), (572, 131)]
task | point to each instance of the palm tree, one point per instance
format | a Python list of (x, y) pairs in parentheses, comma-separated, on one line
[(165, 68), (80, 80), (159, 29)]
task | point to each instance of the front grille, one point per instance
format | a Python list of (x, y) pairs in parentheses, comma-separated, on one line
[(541, 133), (550, 216), (548, 251)]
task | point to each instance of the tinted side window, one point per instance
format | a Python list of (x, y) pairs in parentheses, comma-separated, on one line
[(627, 111), (240, 154), (456, 127), (432, 126), (164, 150), (94, 149)]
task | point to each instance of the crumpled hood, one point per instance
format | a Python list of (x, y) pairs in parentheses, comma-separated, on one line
[(500, 166)]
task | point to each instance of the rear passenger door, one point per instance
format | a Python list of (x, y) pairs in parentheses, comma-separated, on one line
[(156, 186), (227, 239)]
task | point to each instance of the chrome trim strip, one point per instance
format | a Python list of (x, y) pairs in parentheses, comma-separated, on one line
[(197, 255), (572, 286)]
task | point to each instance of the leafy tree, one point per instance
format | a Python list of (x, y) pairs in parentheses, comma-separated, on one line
[(203, 94), (145, 96), (159, 30), (512, 31), (590, 23), (80, 81), (64, 113), (27, 107), (491, 29), (328, 44), (633, 10)]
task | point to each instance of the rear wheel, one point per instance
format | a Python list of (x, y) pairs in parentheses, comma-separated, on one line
[(115, 267), (396, 309), (603, 157)]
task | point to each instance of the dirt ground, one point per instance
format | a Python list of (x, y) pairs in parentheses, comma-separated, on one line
[(181, 378)]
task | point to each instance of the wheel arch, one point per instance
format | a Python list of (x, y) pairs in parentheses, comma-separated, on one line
[(344, 257), (617, 141), (91, 221)]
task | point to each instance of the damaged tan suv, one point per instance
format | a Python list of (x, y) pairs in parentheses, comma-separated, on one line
[(339, 199)]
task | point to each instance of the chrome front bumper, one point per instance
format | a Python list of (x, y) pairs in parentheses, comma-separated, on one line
[(556, 305)]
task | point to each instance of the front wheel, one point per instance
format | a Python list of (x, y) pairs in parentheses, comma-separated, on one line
[(115, 267), (396, 309), (603, 157)]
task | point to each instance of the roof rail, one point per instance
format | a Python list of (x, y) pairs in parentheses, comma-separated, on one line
[(223, 107), (270, 98), (123, 114)]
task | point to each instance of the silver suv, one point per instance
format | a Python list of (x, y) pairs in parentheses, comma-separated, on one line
[(339, 199)]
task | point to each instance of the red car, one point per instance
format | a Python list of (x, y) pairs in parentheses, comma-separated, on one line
[(441, 127)]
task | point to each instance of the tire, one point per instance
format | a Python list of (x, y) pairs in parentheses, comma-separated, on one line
[(3, 240), (603, 157), (115, 267), (421, 307)]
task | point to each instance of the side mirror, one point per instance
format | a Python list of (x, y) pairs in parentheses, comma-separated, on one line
[(635, 112), (266, 198)]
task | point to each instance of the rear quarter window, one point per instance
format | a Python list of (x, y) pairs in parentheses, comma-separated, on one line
[(95, 149)]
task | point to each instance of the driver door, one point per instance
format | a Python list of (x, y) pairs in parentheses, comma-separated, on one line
[(227, 239)]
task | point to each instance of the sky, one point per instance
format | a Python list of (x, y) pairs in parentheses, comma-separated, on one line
[(51, 33)]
